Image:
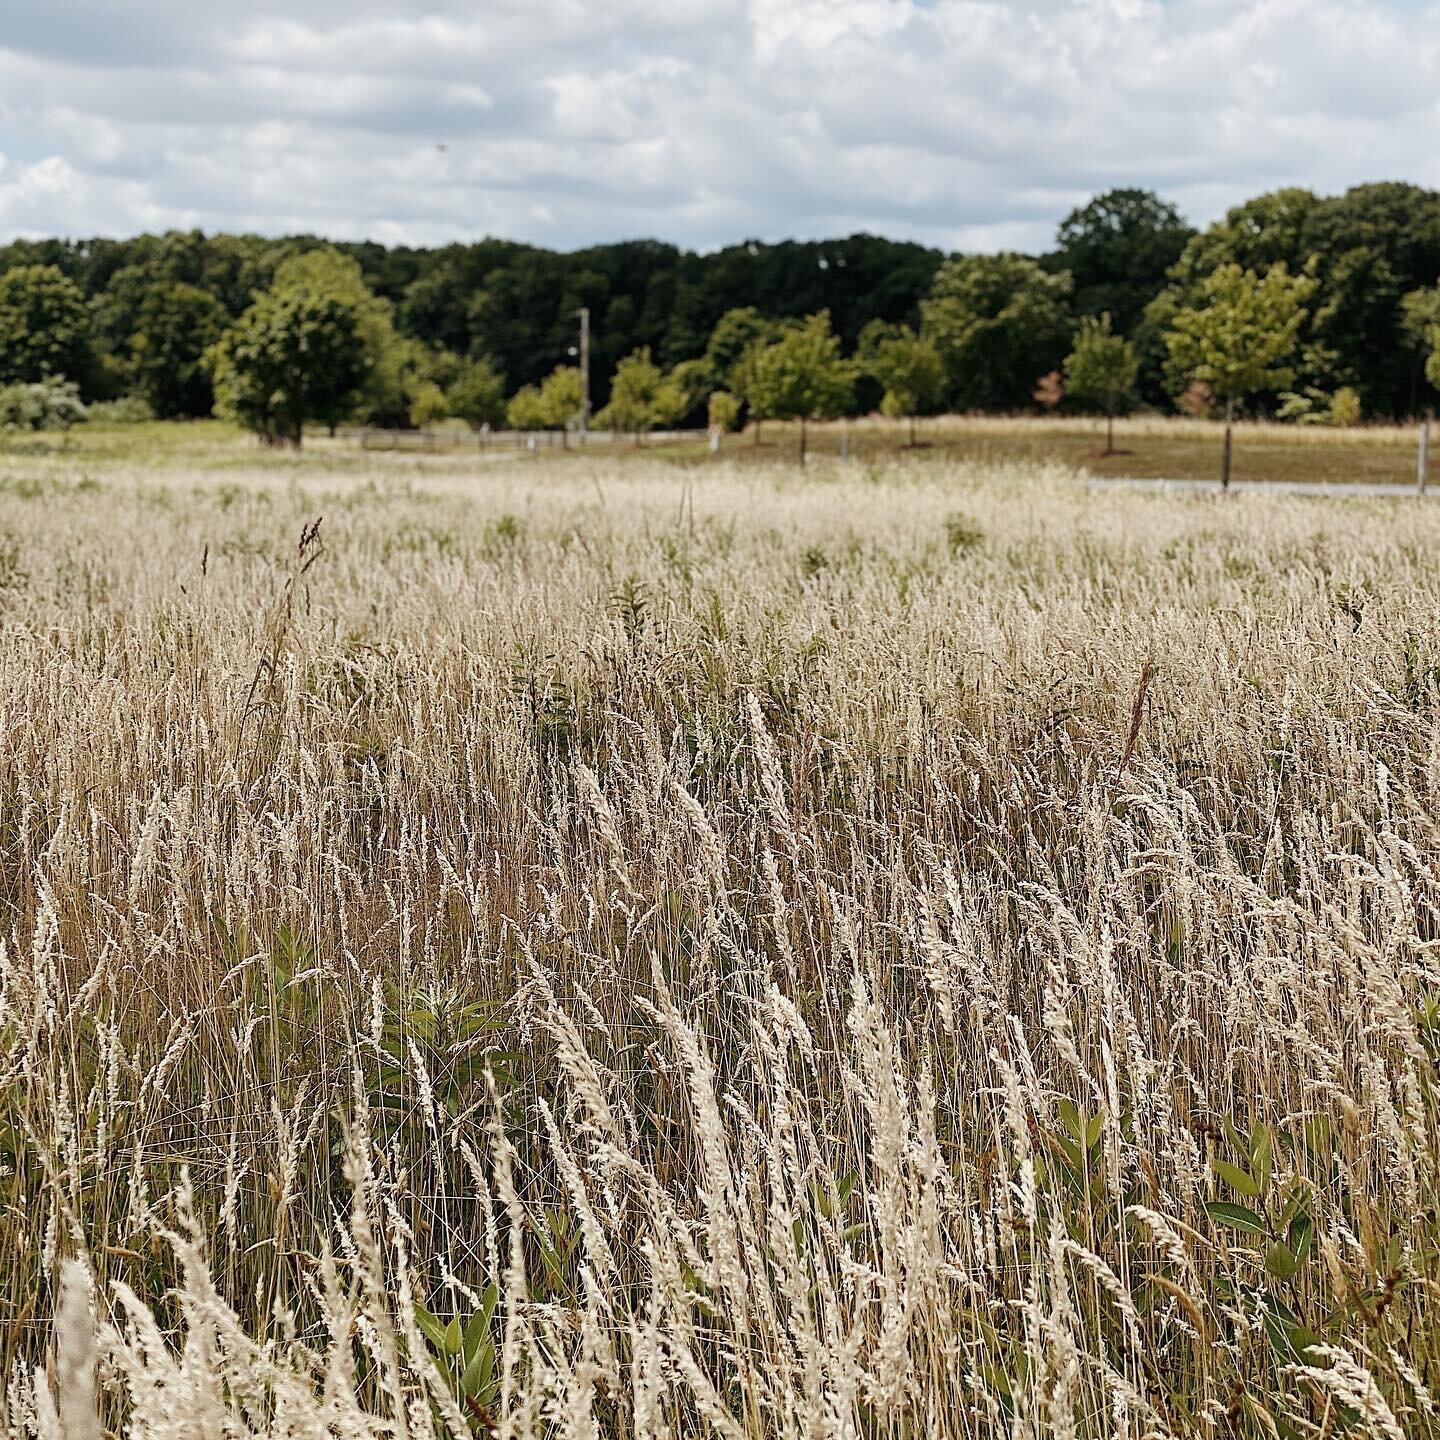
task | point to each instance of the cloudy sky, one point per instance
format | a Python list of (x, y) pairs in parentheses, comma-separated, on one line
[(967, 125)]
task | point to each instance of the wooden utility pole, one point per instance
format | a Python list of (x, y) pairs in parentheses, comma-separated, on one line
[(584, 313), (1225, 461)]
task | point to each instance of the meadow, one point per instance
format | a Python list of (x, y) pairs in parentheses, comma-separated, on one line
[(920, 948), (1146, 446)]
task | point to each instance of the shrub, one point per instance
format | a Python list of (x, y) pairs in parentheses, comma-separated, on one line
[(127, 410), (1345, 407), (41, 405)]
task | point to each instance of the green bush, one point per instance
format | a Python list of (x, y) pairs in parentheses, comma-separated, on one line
[(127, 410), (41, 405)]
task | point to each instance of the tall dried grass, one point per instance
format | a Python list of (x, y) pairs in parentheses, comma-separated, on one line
[(595, 952)]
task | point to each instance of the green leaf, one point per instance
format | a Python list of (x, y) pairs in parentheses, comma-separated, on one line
[(998, 1380), (454, 1337), (1239, 1141), (1070, 1118), (430, 1328), (1237, 1217), (1262, 1149), (1280, 1262), (476, 1377), (1288, 1336), (487, 1382), (1301, 1236), (1297, 1199), (1071, 1152), (1237, 1178), (1093, 1129)]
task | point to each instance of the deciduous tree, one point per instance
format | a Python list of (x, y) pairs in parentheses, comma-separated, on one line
[(908, 368), (1422, 326), (395, 370), (293, 356), (723, 411), (1102, 371), (641, 397), (998, 321), (1241, 338), (44, 326), (477, 394), (803, 376), (428, 406), (1118, 249), (175, 324), (553, 405)]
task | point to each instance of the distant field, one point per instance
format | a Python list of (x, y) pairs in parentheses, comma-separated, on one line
[(598, 948), (1174, 449), (1150, 448)]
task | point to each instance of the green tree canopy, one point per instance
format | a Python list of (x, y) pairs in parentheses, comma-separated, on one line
[(641, 397), (735, 334), (1370, 247), (429, 405), (803, 376), (1240, 340), (732, 355), (1421, 311), (723, 411), (525, 411), (907, 367), (396, 370), (1102, 371), (1367, 249), (997, 327), (44, 326), (1265, 230), (695, 380), (477, 394), (999, 322), (858, 278), (1118, 250), (175, 324), (551, 406), (293, 356), (561, 396)]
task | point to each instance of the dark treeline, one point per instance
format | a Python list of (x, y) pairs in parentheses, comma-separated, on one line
[(152, 305), (514, 303)]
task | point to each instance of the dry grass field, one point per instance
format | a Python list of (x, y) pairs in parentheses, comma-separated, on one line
[(611, 949), (1168, 448)]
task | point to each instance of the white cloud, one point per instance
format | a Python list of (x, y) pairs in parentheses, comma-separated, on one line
[(965, 123)]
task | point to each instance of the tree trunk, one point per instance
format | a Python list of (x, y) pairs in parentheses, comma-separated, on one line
[(912, 431), (1109, 432), (802, 439), (1225, 462), (757, 432)]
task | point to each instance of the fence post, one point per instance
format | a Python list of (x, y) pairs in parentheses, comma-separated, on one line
[(1423, 472)]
